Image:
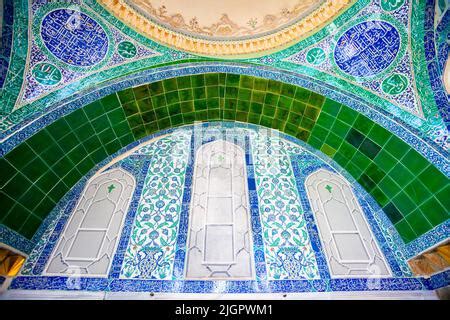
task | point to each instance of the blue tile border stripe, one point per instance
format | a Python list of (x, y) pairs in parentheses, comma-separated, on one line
[(15, 240), (432, 60), (249, 286)]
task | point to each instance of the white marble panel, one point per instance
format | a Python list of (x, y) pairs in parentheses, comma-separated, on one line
[(219, 240), (91, 235), (349, 245)]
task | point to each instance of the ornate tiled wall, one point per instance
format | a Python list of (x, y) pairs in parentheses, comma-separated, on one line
[(298, 161), (40, 170), (405, 82)]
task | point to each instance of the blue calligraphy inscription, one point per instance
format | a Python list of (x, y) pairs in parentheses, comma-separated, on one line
[(74, 37), (367, 48)]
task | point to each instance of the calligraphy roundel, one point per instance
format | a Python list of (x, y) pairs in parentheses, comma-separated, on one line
[(315, 56), (74, 37), (368, 48), (394, 84), (126, 49), (46, 74), (391, 5)]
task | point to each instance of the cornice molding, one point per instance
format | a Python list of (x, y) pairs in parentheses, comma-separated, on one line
[(228, 48)]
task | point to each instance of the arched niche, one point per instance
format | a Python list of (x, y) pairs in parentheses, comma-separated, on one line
[(350, 246), (219, 235), (91, 235)]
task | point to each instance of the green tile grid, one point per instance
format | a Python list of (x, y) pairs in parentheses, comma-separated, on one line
[(412, 192), (38, 172)]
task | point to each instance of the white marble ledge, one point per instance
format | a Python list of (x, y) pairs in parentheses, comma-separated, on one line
[(84, 295)]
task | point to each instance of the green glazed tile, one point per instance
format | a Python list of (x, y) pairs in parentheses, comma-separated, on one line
[(418, 222), (20, 156), (112, 101), (355, 138), (141, 92), (170, 85), (316, 99), (396, 147), (198, 81), (211, 79), (246, 82), (232, 80), (434, 212), (331, 107), (260, 84), (302, 94), (130, 108), (274, 87), (156, 88), (414, 162), (126, 95), (392, 212), (405, 231), (76, 119), (369, 148), (183, 82)]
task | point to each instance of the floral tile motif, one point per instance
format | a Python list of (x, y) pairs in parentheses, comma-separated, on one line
[(152, 245), (288, 251)]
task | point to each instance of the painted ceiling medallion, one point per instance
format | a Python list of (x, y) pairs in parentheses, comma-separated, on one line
[(226, 28)]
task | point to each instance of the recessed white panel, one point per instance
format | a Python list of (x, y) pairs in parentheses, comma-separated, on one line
[(220, 181), (90, 237), (339, 216), (219, 244), (220, 210), (87, 244), (350, 246)]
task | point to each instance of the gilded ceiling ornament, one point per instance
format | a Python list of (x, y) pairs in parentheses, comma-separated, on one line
[(194, 31)]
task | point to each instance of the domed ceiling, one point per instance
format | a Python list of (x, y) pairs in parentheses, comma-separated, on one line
[(233, 19), (226, 28)]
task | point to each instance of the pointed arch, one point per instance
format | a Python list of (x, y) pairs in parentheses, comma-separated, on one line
[(349, 244), (219, 234)]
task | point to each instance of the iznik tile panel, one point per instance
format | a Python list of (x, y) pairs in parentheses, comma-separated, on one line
[(288, 250), (152, 245)]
